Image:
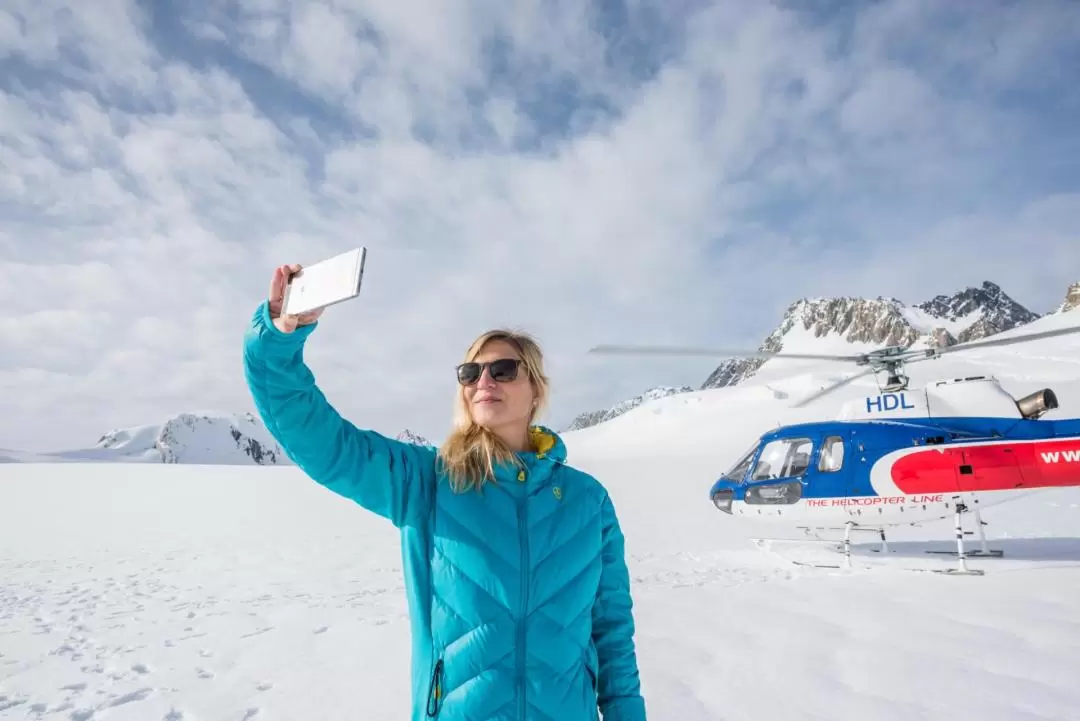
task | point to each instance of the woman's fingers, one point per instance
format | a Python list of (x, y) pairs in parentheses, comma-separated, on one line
[(278, 281), (276, 296)]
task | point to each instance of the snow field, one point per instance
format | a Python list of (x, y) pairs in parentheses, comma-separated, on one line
[(171, 592)]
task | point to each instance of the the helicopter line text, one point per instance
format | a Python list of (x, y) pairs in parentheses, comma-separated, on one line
[(875, 500)]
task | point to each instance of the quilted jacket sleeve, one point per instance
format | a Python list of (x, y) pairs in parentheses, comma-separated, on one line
[(385, 476), (618, 684)]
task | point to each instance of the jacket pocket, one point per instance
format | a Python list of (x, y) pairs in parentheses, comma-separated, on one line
[(435, 690)]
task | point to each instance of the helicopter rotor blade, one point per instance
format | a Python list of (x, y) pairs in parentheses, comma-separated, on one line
[(991, 342), (714, 352), (829, 389)]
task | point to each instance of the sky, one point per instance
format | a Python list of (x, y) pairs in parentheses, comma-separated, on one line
[(648, 171)]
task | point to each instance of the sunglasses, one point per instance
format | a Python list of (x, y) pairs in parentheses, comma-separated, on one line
[(502, 370)]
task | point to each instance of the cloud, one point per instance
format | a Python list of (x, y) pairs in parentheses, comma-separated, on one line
[(629, 171)]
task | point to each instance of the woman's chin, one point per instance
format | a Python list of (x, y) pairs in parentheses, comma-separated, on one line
[(491, 415), (486, 416)]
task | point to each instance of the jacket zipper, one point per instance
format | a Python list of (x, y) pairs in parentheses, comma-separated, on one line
[(435, 690), (523, 532)]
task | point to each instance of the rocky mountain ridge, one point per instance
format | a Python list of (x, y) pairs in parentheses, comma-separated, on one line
[(408, 436), (591, 418), (1072, 299), (971, 314)]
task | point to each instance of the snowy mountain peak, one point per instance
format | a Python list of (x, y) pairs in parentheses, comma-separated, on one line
[(203, 438), (591, 418), (985, 311), (1072, 299), (970, 314), (409, 437), (210, 438), (874, 321), (879, 321)]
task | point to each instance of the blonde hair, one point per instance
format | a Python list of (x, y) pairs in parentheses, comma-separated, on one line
[(471, 452)]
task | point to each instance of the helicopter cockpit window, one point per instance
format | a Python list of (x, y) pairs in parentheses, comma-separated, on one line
[(738, 471), (832, 454), (783, 458)]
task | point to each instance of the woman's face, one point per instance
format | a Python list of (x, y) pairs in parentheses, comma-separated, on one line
[(495, 404)]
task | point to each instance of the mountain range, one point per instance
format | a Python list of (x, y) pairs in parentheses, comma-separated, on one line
[(945, 320), (205, 438)]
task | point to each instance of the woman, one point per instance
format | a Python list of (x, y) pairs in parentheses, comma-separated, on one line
[(514, 566)]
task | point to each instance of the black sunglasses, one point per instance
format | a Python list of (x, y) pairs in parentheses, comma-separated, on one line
[(502, 370)]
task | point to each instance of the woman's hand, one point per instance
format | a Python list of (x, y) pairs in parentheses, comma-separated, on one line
[(287, 323)]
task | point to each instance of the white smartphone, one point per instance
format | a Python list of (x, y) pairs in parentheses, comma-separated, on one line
[(325, 283)]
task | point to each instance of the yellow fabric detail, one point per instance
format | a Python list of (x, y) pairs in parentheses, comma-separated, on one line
[(541, 440)]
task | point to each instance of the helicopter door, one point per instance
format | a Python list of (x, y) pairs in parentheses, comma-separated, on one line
[(833, 477)]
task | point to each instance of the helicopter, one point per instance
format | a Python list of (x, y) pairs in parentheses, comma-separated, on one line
[(902, 456)]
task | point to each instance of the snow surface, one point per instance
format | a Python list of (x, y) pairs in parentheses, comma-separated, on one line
[(181, 593)]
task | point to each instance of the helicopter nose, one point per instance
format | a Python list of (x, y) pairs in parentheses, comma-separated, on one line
[(722, 497)]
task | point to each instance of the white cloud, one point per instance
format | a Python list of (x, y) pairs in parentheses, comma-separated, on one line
[(669, 172)]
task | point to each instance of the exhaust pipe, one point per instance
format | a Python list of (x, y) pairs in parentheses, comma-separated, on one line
[(1036, 404)]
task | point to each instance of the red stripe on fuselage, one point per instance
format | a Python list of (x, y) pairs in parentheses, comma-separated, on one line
[(989, 467)]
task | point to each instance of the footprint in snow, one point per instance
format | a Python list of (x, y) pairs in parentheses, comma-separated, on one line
[(6, 702), (140, 695), (259, 632)]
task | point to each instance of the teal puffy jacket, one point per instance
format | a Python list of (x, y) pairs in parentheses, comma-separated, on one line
[(519, 595)]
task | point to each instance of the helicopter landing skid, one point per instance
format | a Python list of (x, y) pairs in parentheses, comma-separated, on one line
[(848, 564), (844, 548), (961, 554), (984, 552)]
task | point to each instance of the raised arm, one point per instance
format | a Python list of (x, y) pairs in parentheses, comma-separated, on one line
[(386, 476), (618, 683)]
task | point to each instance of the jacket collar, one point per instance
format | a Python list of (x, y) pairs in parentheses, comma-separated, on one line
[(535, 466)]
